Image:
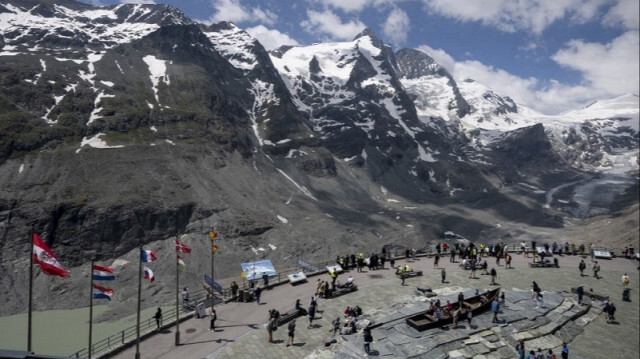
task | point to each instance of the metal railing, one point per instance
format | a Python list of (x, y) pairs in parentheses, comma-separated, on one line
[(146, 326), (126, 336)]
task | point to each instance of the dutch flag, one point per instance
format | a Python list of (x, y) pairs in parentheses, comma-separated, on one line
[(102, 292), (103, 273), (148, 255)]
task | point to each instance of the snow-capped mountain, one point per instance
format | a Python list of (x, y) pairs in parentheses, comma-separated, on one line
[(126, 124), (601, 137)]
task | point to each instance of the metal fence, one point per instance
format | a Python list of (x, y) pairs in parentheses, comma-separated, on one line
[(128, 335), (146, 326)]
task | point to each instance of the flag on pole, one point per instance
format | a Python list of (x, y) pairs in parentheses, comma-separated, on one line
[(181, 263), (213, 235), (102, 292), (148, 255), (103, 273), (48, 262), (148, 275), (214, 248), (181, 247)]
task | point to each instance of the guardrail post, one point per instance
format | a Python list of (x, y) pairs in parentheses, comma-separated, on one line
[(122, 333)]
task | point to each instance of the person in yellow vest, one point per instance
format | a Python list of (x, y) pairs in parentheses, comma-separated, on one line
[(402, 273), (482, 249), (334, 276)]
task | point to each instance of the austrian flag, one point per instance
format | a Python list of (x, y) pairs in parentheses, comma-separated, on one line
[(48, 262), (181, 247)]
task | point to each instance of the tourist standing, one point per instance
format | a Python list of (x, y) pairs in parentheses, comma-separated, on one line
[(212, 320), (234, 290), (271, 326), (443, 274), (257, 292), (158, 317), (565, 351), (596, 269), (494, 274), (311, 313), (368, 339), (436, 259), (580, 292), (582, 266), (495, 308), (291, 329)]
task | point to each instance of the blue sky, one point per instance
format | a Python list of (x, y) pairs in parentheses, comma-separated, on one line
[(551, 55)]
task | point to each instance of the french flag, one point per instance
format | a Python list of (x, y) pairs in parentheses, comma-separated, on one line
[(148, 255), (102, 292), (103, 273), (148, 275)]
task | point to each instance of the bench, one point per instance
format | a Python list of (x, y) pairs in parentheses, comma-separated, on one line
[(343, 290), (590, 294), (292, 314), (410, 274), (553, 264), (427, 292)]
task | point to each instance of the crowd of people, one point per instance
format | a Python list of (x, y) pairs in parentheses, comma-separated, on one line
[(472, 257)]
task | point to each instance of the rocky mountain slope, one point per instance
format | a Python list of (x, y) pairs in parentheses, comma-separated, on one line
[(131, 124)]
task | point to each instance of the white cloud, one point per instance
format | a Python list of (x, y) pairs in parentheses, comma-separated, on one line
[(512, 15), (346, 5), (270, 38), (440, 56), (327, 22), (625, 14), (396, 26), (606, 67), (232, 10), (608, 70)]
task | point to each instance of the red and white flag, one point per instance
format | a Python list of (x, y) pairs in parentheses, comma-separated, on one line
[(48, 262), (148, 275), (181, 247)]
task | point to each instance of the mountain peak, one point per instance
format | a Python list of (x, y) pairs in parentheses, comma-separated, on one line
[(367, 32)]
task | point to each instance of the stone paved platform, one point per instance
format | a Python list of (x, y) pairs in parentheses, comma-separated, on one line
[(241, 333)]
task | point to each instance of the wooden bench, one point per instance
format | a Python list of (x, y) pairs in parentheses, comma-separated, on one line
[(542, 265), (590, 294), (410, 274), (343, 290), (427, 292), (553, 264), (290, 315)]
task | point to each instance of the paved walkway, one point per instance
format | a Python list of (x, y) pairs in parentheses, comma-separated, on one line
[(240, 332)]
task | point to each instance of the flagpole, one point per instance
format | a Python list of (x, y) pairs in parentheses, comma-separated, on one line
[(177, 297), (90, 309), (139, 291), (30, 291), (212, 280)]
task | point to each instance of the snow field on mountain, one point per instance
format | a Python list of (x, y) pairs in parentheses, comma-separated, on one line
[(158, 71), (433, 96), (109, 33), (235, 45)]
